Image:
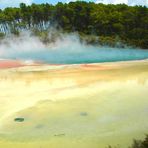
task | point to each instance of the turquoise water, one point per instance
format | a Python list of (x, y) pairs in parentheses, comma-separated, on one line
[(83, 54)]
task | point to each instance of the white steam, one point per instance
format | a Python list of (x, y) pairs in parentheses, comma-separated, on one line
[(23, 44), (65, 49)]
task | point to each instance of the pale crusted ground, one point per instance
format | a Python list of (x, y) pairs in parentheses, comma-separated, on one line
[(71, 106)]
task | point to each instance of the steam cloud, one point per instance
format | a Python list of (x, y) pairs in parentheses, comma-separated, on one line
[(66, 49)]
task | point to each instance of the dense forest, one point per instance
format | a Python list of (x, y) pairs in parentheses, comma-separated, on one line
[(96, 23)]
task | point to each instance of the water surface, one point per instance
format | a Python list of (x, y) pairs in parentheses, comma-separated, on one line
[(75, 54)]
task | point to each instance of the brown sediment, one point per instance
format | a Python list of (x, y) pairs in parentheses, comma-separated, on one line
[(10, 64), (5, 64)]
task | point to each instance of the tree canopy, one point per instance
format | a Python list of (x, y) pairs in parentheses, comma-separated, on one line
[(129, 23)]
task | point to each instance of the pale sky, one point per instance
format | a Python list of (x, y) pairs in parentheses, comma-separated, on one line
[(15, 3)]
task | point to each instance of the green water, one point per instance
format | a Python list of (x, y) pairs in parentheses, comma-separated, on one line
[(77, 53)]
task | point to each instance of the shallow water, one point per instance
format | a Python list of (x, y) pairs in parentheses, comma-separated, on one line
[(75, 54), (75, 106)]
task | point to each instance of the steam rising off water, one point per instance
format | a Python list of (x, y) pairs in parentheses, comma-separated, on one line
[(67, 49), (75, 106)]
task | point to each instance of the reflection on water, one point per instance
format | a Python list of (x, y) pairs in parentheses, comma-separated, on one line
[(74, 107)]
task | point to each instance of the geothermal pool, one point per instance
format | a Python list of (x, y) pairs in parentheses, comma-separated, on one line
[(71, 95), (77, 54), (69, 106)]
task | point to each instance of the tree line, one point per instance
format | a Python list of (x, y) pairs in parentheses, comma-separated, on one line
[(127, 23)]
